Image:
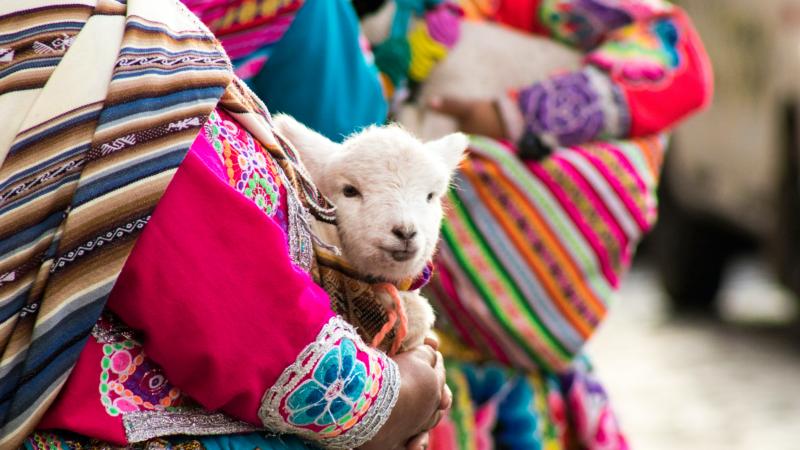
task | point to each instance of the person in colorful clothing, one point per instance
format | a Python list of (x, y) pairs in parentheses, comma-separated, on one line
[(156, 254), (536, 244), (644, 70), (545, 221)]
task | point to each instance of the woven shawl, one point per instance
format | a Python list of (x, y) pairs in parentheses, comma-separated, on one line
[(531, 254), (101, 101)]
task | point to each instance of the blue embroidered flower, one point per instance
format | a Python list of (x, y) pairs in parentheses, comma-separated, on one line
[(331, 393)]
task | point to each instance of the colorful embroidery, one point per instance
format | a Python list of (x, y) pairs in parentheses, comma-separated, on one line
[(249, 168), (585, 23), (338, 389), (497, 407), (640, 54), (45, 440), (593, 420), (129, 382), (574, 108)]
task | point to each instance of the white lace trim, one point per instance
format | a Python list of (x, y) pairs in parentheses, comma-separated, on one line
[(362, 432), (145, 425)]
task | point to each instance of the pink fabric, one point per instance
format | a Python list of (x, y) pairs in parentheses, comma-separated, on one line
[(244, 30), (78, 408), (212, 290), (690, 89)]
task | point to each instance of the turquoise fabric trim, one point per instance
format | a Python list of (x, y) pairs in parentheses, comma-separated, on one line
[(251, 441), (247, 441), (319, 74)]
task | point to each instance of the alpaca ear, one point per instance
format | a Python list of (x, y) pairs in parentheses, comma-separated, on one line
[(314, 149), (451, 148)]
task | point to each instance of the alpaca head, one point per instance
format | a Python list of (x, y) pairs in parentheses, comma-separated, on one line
[(387, 187)]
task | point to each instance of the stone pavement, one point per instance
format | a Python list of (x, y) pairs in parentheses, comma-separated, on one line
[(701, 383)]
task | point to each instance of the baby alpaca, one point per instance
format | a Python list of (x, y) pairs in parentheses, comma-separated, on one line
[(387, 187)]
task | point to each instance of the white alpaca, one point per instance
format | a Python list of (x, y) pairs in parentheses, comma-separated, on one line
[(387, 187)]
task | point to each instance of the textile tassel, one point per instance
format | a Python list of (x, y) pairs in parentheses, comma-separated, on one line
[(398, 312), (305, 218), (329, 247), (425, 53), (444, 24), (393, 57)]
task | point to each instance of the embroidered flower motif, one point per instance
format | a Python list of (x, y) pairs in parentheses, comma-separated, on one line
[(251, 159), (333, 392), (640, 54), (338, 390), (130, 382), (566, 109), (249, 168)]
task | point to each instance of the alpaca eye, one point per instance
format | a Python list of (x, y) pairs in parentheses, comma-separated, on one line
[(350, 191), (430, 196)]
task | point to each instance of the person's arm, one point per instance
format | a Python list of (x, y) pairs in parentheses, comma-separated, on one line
[(645, 69), (238, 328)]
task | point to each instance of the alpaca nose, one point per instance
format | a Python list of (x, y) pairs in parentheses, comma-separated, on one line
[(404, 233)]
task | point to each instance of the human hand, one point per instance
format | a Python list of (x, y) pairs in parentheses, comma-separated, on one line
[(423, 399), (481, 117)]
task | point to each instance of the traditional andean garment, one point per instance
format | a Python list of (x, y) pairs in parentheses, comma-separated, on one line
[(205, 267)]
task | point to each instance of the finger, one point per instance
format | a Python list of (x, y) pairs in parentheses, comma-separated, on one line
[(434, 420), (446, 399), (427, 354), (450, 106), (418, 442), (438, 366), (425, 441), (432, 340)]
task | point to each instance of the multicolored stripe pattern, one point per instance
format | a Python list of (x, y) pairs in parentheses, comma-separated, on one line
[(85, 170), (498, 407), (248, 29), (531, 253)]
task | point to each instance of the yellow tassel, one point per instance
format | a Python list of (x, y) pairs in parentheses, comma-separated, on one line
[(425, 53)]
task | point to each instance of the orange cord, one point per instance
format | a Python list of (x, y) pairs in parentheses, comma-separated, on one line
[(387, 327), (397, 313)]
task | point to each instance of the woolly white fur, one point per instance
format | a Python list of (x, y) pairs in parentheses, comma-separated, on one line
[(394, 173)]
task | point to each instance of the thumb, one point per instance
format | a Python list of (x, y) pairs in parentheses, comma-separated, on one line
[(451, 106)]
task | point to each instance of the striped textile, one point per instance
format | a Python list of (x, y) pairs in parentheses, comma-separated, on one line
[(530, 255), (101, 101), (248, 29)]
